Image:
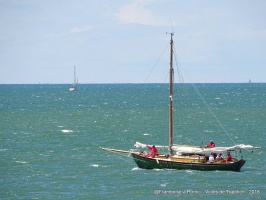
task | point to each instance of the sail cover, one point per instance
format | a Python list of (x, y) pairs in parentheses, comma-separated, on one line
[(201, 150)]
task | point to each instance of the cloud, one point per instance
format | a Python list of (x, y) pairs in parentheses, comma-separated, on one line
[(71, 31), (137, 12), (80, 29)]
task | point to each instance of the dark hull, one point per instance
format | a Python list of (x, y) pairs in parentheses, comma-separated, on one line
[(153, 163)]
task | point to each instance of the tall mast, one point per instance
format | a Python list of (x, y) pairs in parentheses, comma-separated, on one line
[(171, 97)]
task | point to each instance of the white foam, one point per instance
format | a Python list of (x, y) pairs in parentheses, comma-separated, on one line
[(146, 134), (67, 131), (21, 162), (135, 169), (159, 169), (3, 149)]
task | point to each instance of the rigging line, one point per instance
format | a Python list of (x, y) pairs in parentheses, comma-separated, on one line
[(180, 75), (156, 63), (182, 85), (183, 89), (181, 79), (210, 110), (131, 98), (166, 77)]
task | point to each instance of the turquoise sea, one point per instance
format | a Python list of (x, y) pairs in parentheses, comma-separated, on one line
[(51, 139)]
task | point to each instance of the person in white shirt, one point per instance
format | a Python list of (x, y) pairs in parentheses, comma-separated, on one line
[(219, 157), (211, 158)]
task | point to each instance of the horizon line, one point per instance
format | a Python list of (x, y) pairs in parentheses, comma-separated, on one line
[(127, 83)]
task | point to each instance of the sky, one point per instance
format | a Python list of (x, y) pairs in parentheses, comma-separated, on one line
[(125, 41)]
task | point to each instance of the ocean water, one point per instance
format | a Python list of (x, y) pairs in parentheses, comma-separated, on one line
[(51, 139)]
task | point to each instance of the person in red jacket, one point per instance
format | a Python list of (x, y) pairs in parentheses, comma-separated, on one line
[(154, 151), (210, 145), (228, 157)]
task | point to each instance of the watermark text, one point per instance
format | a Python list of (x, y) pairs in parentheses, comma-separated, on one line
[(211, 192)]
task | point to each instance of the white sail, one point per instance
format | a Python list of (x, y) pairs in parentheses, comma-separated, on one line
[(73, 87)]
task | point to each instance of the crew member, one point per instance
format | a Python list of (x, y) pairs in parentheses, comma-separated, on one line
[(228, 157), (210, 145), (211, 158), (219, 157), (154, 151)]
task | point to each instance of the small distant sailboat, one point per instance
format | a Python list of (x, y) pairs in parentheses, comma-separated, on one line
[(73, 87)]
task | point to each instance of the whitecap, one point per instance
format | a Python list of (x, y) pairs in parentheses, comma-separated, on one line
[(163, 185), (21, 162), (146, 134), (135, 168), (3, 149), (67, 131), (94, 165), (159, 169), (208, 131)]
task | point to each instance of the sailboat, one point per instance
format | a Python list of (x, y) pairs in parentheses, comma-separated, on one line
[(184, 156), (73, 87)]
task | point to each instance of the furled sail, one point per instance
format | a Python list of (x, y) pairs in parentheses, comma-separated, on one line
[(201, 150), (140, 145)]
